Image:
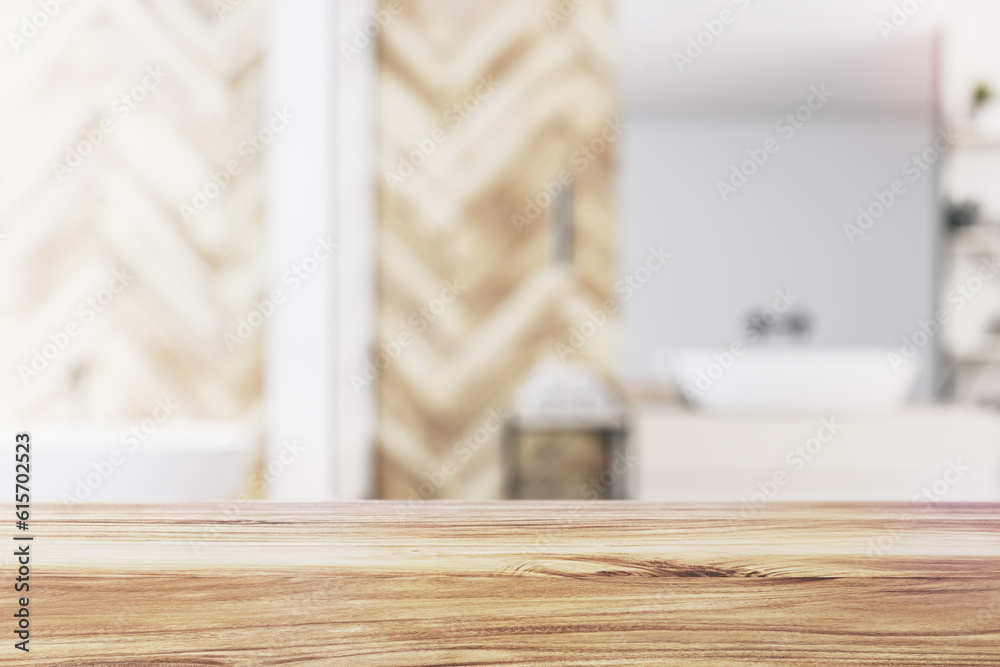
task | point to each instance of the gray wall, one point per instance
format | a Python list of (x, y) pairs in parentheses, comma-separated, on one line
[(783, 229)]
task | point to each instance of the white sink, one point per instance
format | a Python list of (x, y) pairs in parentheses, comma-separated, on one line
[(791, 379)]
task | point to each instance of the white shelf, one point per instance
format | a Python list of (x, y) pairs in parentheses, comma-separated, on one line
[(972, 139), (981, 239), (988, 353)]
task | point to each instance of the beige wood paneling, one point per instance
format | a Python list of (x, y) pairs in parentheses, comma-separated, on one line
[(67, 231), (545, 85)]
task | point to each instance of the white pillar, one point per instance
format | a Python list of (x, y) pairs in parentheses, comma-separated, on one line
[(355, 316), (319, 185), (298, 364)]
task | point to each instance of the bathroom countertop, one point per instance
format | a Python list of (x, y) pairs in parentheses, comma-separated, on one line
[(452, 583)]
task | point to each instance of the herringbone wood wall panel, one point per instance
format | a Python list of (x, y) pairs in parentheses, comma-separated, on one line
[(118, 110), (481, 106)]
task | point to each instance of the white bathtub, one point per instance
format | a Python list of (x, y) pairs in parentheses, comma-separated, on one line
[(193, 460)]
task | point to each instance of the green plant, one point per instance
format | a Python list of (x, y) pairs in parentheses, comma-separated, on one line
[(981, 94)]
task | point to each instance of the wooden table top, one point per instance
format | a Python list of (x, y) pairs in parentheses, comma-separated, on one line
[(448, 583)]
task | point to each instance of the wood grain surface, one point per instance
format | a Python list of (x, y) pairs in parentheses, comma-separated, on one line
[(448, 583)]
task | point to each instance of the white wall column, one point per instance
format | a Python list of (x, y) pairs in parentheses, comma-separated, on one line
[(356, 68), (300, 338), (319, 186)]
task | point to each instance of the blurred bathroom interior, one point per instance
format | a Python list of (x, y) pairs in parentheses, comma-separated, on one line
[(732, 250)]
